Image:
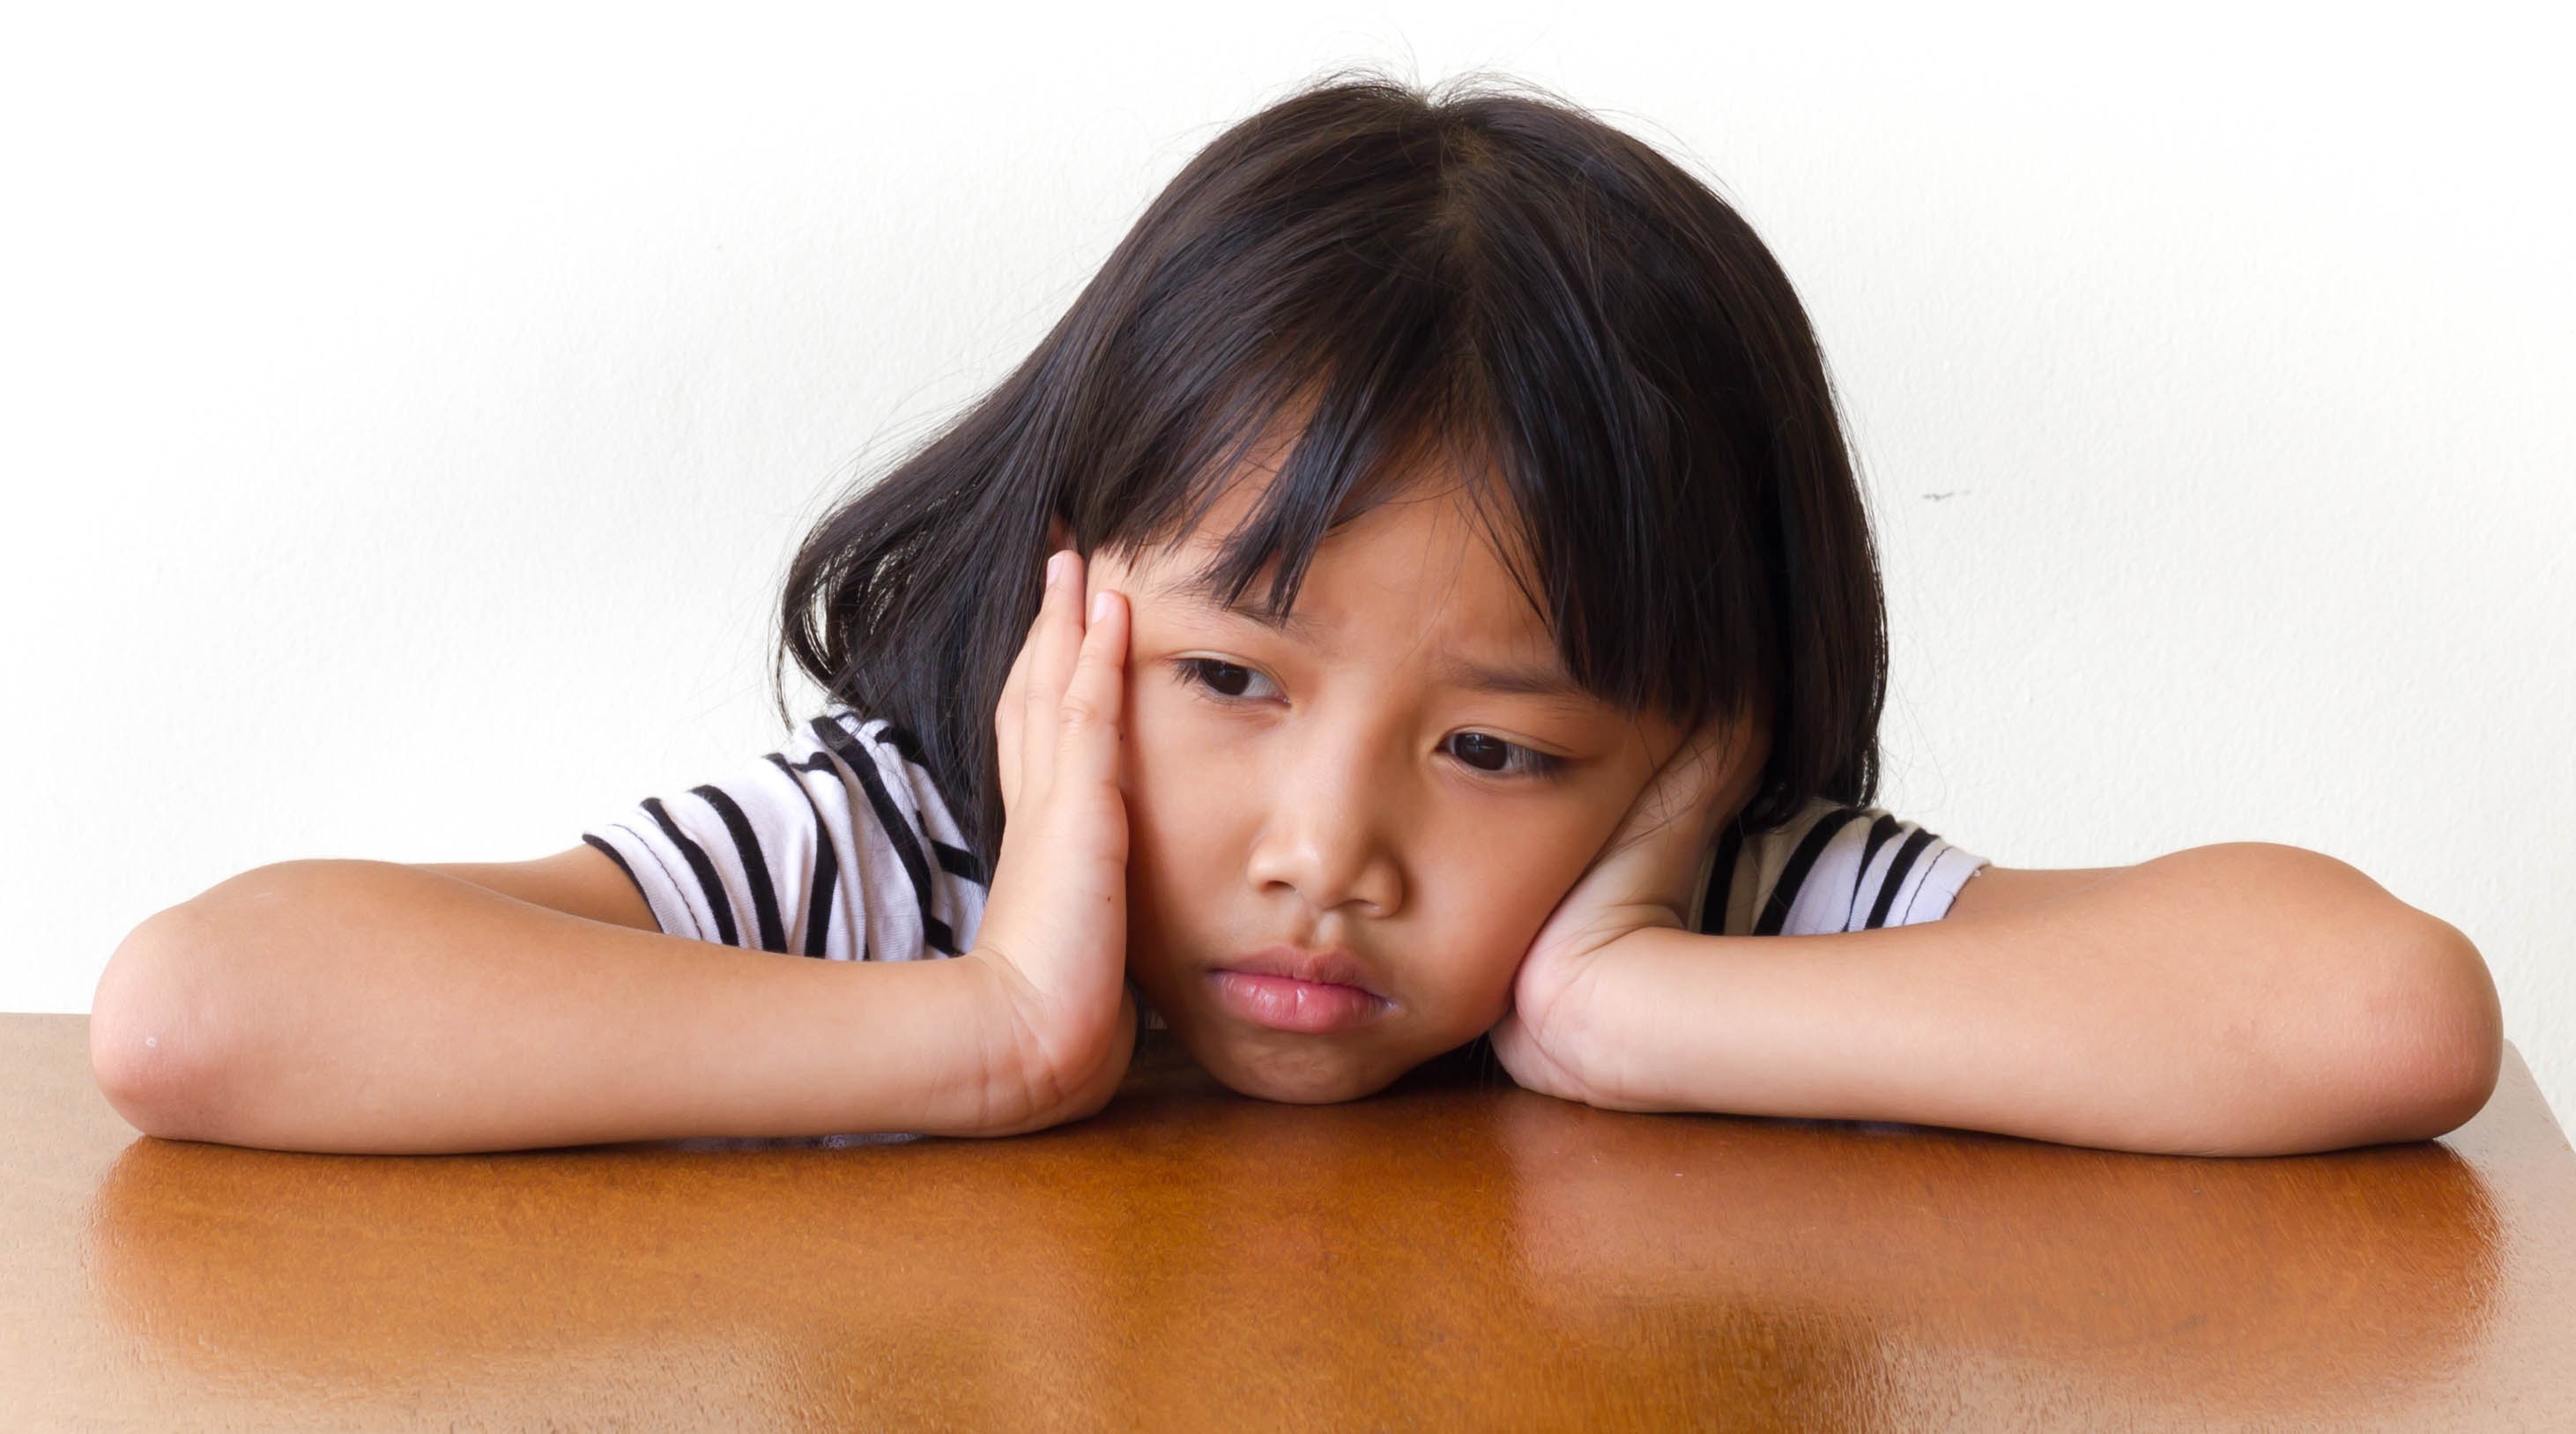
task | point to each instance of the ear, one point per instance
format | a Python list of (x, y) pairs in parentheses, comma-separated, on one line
[(1059, 537)]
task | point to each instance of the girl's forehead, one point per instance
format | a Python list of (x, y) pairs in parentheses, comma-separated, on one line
[(1445, 508), (1413, 578), (1427, 540)]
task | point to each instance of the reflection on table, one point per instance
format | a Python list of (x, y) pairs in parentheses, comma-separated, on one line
[(1452, 1252)]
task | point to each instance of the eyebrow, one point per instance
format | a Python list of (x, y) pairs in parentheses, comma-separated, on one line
[(1548, 680), (1201, 592)]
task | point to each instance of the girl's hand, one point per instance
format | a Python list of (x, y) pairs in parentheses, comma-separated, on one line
[(1054, 933), (1558, 1037)]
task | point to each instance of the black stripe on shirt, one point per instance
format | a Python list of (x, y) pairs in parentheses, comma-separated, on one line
[(898, 830), (822, 762), (1784, 894), (910, 749), (1720, 893), (1896, 871), (614, 856), (954, 861), (904, 743), (1879, 832), (826, 875), (696, 857), (746, 844), (958, 861)]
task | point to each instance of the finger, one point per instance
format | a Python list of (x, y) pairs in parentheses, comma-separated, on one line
[(1053, 642), (1010, 711), (1680, 804), (1095, 695), (1656, 852), (1011, 715)]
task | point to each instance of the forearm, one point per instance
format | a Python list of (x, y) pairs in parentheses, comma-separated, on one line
[(2231, 999), (369, 1006)]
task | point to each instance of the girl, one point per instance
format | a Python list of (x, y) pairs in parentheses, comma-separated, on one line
[(1418, 591)]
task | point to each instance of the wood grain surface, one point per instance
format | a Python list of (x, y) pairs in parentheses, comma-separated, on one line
[(1450, 1255)]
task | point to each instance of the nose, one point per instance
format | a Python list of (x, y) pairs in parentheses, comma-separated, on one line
[(1330, 808)]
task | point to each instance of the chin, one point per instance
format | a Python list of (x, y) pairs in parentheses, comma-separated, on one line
[(1321, 1077)]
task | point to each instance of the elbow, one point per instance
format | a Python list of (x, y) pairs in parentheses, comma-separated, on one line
[(156, 1045), (2432, 1030)]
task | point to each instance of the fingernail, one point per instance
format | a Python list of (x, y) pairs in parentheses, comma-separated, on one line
[(1055, 567), (1100, 605)]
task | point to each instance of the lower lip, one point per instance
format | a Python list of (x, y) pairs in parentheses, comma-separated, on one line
[(1284, 1003)]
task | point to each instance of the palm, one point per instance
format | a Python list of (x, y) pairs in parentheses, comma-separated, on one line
[(1641, 879), (1054, 931)]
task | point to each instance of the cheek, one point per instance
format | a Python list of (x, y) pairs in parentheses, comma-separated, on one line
[(1185, 849), (1481, 876), (1485, 894)]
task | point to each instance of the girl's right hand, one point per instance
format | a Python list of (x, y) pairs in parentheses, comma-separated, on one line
[(1054, 932)]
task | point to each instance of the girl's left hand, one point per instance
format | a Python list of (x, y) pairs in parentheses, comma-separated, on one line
[(1560, 1037)]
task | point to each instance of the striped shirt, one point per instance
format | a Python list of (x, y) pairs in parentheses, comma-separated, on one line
[(1831, 868), (840, 846)]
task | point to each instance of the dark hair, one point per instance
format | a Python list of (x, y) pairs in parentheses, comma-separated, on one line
[(1473, 271)]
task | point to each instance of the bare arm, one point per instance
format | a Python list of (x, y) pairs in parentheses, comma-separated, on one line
[(2224, 1000), (368, 1006), (580, 882)]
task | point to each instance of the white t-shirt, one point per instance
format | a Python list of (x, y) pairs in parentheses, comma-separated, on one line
[(840, 846)]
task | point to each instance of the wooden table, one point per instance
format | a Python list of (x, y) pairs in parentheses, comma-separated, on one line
[(1449, 1255)]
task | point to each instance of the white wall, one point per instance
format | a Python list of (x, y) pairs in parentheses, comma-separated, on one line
[(406, 420)]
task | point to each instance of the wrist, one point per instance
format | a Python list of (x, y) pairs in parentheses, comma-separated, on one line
[(1751, 1025), (1616, 1030), (1031, 1062), (1578, 1037)]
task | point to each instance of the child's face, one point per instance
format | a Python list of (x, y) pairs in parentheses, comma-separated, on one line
[(1387, 798)]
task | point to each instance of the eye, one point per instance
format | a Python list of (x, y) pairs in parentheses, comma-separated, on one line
[(1225, 679), (1487, 753), (1483, 752)]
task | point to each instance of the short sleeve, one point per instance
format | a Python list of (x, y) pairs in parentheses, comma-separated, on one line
[(1831, 868), (837, 846)]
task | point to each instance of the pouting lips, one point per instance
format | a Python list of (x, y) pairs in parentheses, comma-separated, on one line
[(1285, 1003)]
